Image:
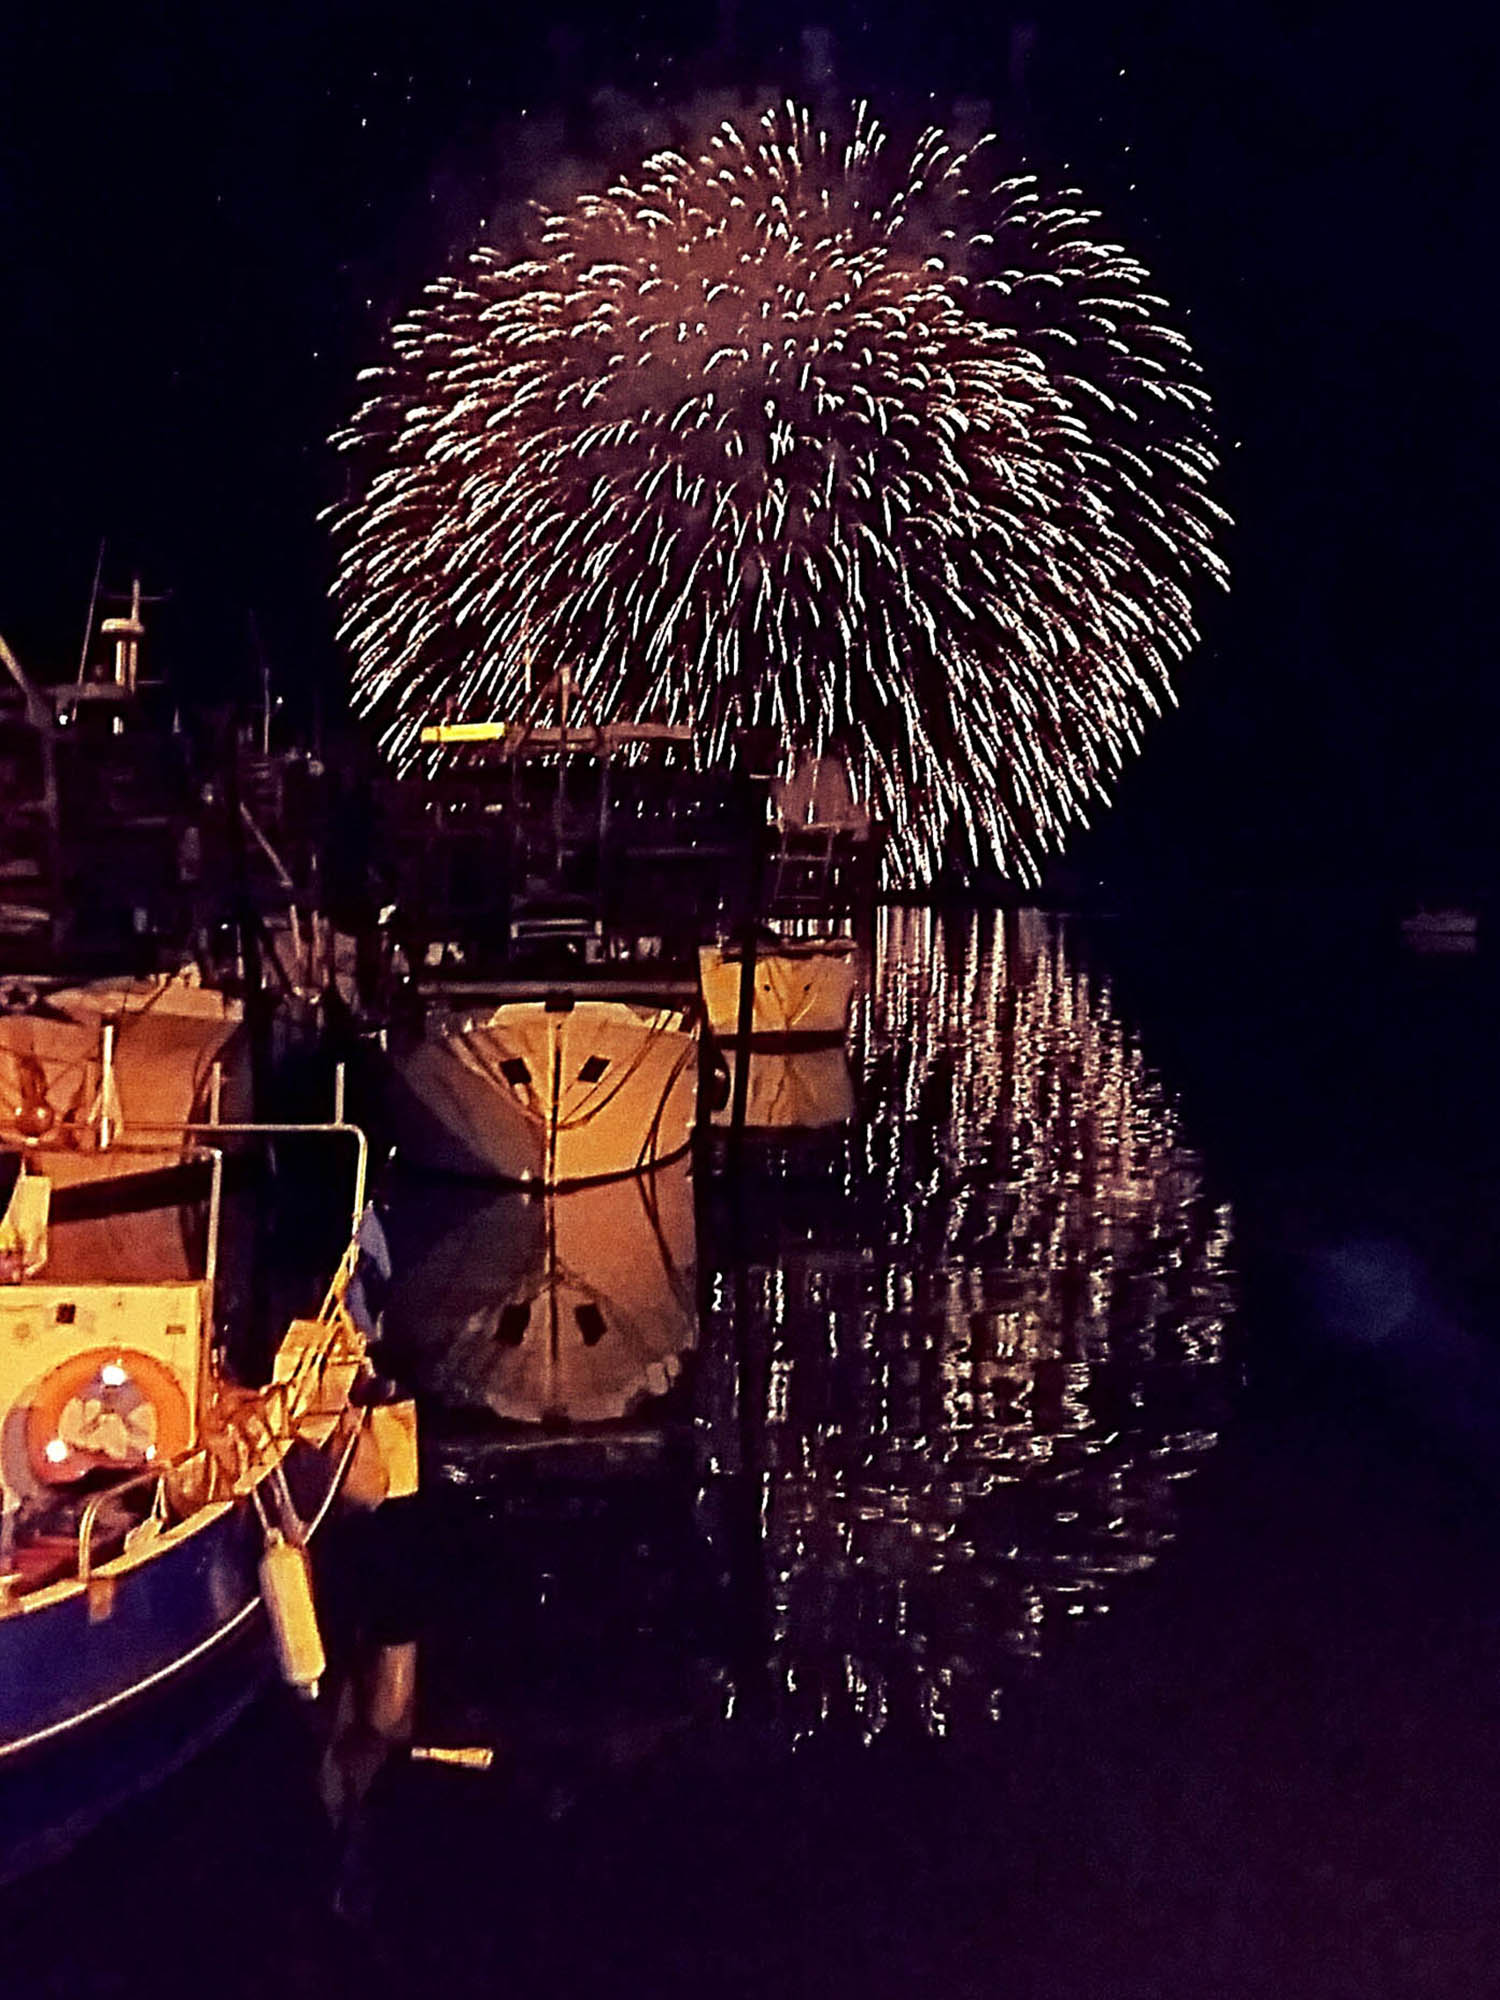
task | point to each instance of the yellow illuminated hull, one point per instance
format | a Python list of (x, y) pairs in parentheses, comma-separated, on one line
[(802, 991), (520, 1092)]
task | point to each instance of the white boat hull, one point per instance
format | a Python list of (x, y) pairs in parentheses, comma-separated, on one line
[(803, 991), (541, 1096)]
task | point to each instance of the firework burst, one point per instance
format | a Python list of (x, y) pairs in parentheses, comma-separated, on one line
[(784, 431)]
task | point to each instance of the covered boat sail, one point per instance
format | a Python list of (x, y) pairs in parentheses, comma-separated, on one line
[(83, 1068)]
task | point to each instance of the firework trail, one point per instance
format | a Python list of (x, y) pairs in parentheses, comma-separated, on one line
[(782, 431)]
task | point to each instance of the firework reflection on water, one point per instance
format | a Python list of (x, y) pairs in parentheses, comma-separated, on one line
[(994, 1345)]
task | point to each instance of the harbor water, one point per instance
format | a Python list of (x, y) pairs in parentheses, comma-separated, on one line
[(1018, 1519)]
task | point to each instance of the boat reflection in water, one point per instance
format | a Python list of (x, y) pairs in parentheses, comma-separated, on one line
[(570, 1307), (959, 1351), (793, 1090), (542, 1330), (987, 1350)]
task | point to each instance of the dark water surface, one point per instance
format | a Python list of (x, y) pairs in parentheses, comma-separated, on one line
[(1025, 1526)]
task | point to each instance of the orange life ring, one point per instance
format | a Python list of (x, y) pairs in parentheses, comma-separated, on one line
[(110, 1407)]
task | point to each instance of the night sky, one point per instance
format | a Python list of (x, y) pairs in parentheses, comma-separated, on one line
[(209, 214)]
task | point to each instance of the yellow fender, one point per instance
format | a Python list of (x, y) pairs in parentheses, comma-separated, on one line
[(286, 1590)]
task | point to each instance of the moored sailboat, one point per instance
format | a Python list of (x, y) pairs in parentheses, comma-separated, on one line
[(157, 1511), (109, 1028), (542, 1019), (817, 872)]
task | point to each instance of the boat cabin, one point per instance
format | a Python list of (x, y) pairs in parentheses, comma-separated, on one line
[(104, 1353), (585, 845)]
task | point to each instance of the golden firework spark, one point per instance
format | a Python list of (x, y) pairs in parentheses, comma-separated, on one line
[(780, 431)]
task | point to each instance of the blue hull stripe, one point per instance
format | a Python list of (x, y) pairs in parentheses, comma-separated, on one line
[(59, 1667)]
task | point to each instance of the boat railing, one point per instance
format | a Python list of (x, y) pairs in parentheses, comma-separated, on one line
[(156, 1476), (272, 1410), (258, 1429), (336, 1127), (104, 1118)]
